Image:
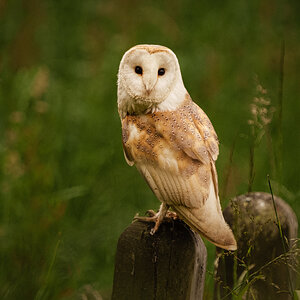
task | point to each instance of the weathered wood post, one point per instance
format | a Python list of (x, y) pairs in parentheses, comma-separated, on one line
[(259, 269), (171, 264)]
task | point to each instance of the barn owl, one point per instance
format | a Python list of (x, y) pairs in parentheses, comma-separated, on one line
[(171, 142)]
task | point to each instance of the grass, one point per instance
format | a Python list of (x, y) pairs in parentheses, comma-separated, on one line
[(283, 241), (260, 121), (41, 292)]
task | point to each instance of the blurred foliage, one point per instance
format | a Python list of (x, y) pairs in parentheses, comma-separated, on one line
[(66, 192)]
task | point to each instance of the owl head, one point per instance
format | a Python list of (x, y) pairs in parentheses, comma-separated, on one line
[(149, 75)]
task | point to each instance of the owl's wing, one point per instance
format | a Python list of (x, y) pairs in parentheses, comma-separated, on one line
[(205, 146), (185, 147), (207, 132), (183, 177)]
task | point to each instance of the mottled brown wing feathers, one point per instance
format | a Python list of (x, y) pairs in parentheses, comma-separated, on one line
[(175, 152), (175, 189), (211, 141), (206, 131), (205, 144)]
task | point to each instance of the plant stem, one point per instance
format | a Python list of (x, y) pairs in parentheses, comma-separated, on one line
[(282, 238), (280, 112), (41, 291), (251, 168)]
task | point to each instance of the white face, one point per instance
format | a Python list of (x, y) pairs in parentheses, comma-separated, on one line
[(149, 76)]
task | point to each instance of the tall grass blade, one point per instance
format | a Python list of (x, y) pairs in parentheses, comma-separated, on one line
[(280, 112), (41, 292), (282, 239)]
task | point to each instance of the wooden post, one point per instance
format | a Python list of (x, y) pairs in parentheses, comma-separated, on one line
[(259, 269), (171, 264)]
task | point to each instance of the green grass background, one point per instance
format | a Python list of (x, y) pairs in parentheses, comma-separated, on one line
[(66, 192)]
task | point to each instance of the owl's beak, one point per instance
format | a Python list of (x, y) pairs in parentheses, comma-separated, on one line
[(149, 82)]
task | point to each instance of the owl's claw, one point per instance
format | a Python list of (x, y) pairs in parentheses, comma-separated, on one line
[(145, 219), (152, 216), (171, 215), (152, 231), (157, 218)]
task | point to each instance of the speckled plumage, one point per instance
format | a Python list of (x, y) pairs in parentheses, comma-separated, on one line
[(174, 149), (182, 141)]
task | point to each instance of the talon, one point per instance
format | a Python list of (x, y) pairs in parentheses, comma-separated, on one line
[(171, 215), (135, 218), (145, 219), (157, 217)]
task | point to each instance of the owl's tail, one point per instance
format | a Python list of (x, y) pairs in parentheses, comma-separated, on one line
[(215, 230), (208, 221)]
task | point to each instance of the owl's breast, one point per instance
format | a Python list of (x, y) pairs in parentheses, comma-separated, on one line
[(160, 139), (142, 141)]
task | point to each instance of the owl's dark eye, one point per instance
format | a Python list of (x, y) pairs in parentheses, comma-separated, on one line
[(138, 70), (161, 71)]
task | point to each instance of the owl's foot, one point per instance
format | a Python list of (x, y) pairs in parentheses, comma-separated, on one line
[(157, 218), (170, 215), (153, 219), (145, 219)]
